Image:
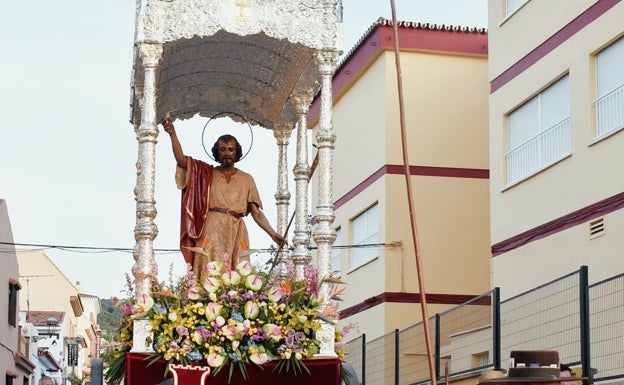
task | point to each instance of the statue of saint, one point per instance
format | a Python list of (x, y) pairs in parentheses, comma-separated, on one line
[(214, 202)]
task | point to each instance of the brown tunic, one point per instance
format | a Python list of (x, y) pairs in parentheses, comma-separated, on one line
[(224, 235)]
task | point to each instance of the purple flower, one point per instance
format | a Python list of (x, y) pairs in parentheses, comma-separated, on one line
[(182, 330)]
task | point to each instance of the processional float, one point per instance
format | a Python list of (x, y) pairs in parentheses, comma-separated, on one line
[(258, 60)]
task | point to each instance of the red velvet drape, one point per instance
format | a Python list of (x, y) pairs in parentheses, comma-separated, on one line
[(194, 205), (324, 371)]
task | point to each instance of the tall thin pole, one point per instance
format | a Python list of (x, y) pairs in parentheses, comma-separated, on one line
[(410, 199)]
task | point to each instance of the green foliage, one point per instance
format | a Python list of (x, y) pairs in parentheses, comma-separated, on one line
[(109, 319)]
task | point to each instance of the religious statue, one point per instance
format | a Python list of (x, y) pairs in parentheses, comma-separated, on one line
[(214, 202)]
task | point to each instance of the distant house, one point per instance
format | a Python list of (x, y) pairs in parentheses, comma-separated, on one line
[(43, 330), (65, 319), (15, 364)]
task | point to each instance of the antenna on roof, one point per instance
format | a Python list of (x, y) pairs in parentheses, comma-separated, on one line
[(28, 277)]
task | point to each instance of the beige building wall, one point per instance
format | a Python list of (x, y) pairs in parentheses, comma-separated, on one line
[(45, 286), (14, 356), (586, 177), (446, 115)]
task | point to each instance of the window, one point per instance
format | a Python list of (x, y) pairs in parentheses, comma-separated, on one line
[(14, 286), (539, 131), (513, 5), (365, 228), (336, 253), (609, 104)]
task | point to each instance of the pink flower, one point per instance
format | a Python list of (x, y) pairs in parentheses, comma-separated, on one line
[(316, 298), (253, 282), (244, 268), (181, 330), (213, 310), (215, 360), (258, 355), (193, 293), (273, 331), (211, 284), (126, 308), (213, 268), (230, 332), (274, 293), (231, 278), (251, 310), (144, 304)]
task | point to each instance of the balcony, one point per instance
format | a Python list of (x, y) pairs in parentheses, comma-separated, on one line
[(543, 150)]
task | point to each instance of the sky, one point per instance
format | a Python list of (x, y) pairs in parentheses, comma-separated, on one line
[(68, 151)]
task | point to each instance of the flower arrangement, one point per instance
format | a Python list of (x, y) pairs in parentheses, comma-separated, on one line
[(231, 319)]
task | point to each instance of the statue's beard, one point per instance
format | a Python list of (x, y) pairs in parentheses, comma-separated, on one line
[(226, 161)]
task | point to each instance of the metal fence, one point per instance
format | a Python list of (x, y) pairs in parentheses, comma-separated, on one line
[(584, 323)]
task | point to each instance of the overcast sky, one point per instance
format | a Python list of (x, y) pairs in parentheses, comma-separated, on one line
[(68, 151)]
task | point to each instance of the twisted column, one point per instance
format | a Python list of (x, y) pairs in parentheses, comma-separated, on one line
[(323, 232), (147, 133), (282, 196), (301, 240)]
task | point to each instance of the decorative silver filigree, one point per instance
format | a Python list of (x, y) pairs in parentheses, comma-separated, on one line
[(326, 335), (141, 335), (312, 23)]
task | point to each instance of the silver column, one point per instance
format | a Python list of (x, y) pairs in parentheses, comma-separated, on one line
[(301, 240), (282, 196), (323, 231), (147, 133)]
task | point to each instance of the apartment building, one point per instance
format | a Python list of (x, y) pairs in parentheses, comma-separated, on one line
[(444, 72), (556, 114)]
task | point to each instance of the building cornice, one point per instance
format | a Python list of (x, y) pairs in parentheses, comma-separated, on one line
[(572, 219), (395, 297), (581, 21), (395, 169), (413, 37)]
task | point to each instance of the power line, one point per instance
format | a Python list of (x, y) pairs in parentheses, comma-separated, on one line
[(97, 250)]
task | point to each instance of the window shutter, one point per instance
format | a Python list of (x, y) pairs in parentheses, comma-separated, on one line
[(524, 123), (555, 103), (610, 68)]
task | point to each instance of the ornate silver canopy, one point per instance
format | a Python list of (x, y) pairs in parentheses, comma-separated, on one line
[(247, 57)]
